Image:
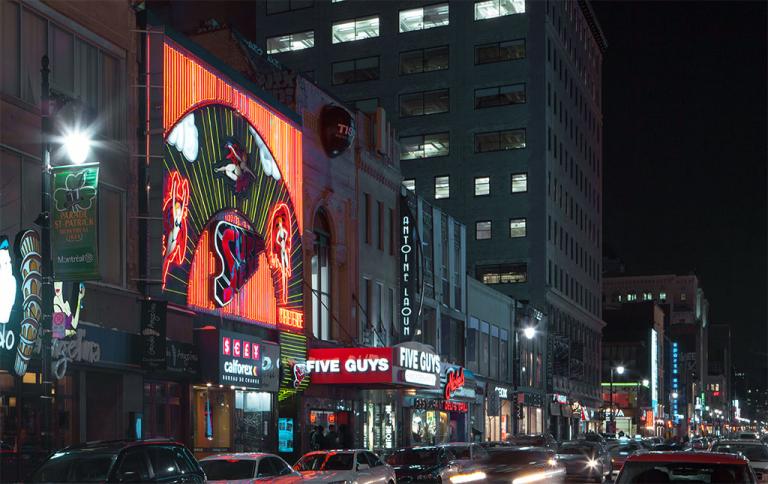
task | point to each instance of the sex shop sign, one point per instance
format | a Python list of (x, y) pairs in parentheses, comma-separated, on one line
[(239, 360), (230, 197)]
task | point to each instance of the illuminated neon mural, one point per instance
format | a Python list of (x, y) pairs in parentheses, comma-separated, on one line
[(231, 199)]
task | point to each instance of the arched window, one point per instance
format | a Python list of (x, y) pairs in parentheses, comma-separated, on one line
[(321, 278)]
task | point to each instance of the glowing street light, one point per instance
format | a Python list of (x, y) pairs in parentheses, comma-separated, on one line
[(646, 382), (529, 332), (620, 370), (78, 145), (675, 395)]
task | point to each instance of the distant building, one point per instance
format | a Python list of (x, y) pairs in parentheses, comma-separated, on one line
[(687, 310), (634, 339)]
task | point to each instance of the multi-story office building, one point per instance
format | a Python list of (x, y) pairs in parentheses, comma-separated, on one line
[(499, 111)]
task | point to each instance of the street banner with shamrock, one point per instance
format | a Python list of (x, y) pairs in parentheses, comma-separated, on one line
[(75, 222)]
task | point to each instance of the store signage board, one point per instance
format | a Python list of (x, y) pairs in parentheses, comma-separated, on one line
[(454, 381), (247, 361), (409, 265), (422, 366), (503, 392), (448, 406), (350, 365)]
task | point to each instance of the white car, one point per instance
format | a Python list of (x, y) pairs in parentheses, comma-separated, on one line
[(248, 467), (754, 450), (345, 466)]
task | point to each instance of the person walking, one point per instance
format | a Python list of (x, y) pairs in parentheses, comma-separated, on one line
[(316, 438), (332, 438)]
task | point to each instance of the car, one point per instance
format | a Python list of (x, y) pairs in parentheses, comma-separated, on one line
[(492, 444), (745, 436), (354, 465), (672, 446), (711, 467), (248, 467), (585, 459), (465, 454), (425, 464), (755, 451), (155, 460), (515, 464), (537, 440), (620, 452)]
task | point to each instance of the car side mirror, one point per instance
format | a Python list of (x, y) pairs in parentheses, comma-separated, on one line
[(129, 476), (362, 467)]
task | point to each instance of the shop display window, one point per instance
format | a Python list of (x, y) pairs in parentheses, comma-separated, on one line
[(379, 427), (430, 427), (253, 428), (213, 416)]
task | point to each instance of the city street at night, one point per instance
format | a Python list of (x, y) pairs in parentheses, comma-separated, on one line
[(383, 241)]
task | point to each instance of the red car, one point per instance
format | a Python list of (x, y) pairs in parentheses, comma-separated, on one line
[(655, 467), (620, 453)]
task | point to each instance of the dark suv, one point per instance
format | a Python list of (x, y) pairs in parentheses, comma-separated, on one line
[(122, 461)]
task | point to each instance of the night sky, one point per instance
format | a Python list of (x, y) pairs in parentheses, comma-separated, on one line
[(685, 153)]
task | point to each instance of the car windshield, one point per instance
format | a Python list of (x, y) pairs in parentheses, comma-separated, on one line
[(460, 451), (569, 448), (644, 472), (424, 456), (229, 469), (84, 465), (502, 456), (624, 449), (751, 452)]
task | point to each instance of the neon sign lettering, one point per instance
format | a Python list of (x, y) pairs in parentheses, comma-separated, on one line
[(352, 365), (238, 252), (405, 271), (175, 212), (415, 359), (454, 381)]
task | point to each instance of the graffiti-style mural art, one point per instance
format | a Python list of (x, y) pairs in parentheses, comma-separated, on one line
[(231, 199)]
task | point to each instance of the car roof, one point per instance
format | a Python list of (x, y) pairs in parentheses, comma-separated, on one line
[(119, 444), (238, 456), (740, 442), (692, 457)]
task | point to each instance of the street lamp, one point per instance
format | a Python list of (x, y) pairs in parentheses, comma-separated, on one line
[(646, 382), (620, 370), (529, 332), (78, 144)]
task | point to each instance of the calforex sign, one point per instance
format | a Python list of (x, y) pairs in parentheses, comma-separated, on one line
[(409, 253), (421, 365), (247, 361)]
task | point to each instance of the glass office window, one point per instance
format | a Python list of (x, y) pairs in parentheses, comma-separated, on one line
[(423, 18), (424, 146), (442, 187), (291, 42), (519, 182), (487, 9), (355, 29)]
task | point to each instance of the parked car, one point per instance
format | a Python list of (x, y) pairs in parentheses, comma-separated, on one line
[(515, 464), (248, 467), (670, 447), (492, 444), (585, 459), (540, 440), (427, 464), (465, 454), (620, 453), (746, 436), (754, 450), (710, 467), (122, 461), (360, 466)]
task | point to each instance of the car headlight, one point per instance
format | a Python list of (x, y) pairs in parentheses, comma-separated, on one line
[(469, 477), (591, 463), (552, 462)]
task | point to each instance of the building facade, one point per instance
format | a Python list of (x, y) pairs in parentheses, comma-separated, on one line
[(499, 112)]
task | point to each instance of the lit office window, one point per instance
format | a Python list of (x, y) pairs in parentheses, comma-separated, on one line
[(500, 51), (424, 18), (355, 70), (424, 103), (486, 9), (517, 227), (424, 146), (647, 296), (410, 184), (662, 296), (500, 96), (509, 139), (291, 42), (483, 230), (503, 273), (482, 186), (519, 182), (442, 187), (424, 60), (355, 29), (683, 296), (631, 297)]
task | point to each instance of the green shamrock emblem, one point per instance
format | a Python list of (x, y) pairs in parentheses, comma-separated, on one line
[(76, 195)]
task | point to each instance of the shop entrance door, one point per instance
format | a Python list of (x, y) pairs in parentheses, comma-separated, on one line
[(337, 431)]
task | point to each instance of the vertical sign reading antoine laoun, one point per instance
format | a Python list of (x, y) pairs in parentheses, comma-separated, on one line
[(408, 266), (74, 222)]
